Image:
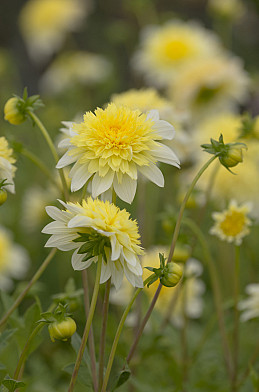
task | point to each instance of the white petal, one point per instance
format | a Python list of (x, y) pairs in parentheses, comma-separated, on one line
[(56, 214), (164, 129), (153, 115), (139, 282), (75, 209), (165, 154), (117, 273), (153, 173), (129, 275), (116, 248), (80, 221), (80, 175), (129, 256), (66, 160), (77, 262), (55, 227), (136, 269), (101, 184), (58, 241), (126, 189), (105, 272)]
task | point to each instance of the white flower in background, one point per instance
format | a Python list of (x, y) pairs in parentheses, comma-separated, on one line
[(232, 224), (7, 168), (111, 146), (211, 83), (44, 24), (71, 68), (164, 50), (250, 305), (14, 260), (98, 228)]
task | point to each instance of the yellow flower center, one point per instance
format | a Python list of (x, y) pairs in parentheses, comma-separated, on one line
[(233, 224), (176, 50), (6, 152), (115, 138)]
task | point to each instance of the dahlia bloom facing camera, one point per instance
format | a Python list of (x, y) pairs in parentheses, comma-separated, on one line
[(112, 146), (96, 228)]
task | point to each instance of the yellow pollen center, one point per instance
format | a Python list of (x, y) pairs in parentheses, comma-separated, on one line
[(233, 223), (176, 50)]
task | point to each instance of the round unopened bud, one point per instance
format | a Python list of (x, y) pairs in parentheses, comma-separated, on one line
[(233, 157), (172, 275), (62, 330), (12, 113), (3, 196)]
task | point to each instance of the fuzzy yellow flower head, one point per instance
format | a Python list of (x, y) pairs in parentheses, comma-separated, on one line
[(232, 224), (7, 168), (44, 23), (111, 146), (94, 229), (166, 49)]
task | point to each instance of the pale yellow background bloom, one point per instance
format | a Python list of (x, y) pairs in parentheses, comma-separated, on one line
[(7, 168)]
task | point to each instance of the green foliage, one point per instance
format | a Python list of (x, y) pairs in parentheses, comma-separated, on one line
[(11, 385)]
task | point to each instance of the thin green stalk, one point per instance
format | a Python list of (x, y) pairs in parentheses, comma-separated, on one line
[(180, 215), (41, 165), (175, 237), (117, 335), (236, 319), (103, 332), (216, 293), (184, 345), (91, 333), (52, 149), (87, 326), (34, 279), (25, 350)]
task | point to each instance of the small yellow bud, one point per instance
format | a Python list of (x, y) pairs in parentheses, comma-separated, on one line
[(233, 157), (62, 330), (12, 112), (3, 196), (172, 275)]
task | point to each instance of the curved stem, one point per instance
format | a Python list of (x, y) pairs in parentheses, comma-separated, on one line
[(216, 293), (103, 333), (36, 161), (91, 334), (52, 149), (118, 333), (34, 279), (87, 326)]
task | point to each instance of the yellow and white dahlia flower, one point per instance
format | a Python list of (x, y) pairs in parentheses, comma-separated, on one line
[(110, 147), (164, 50), (96, 228), (14, 260), (7, 168)]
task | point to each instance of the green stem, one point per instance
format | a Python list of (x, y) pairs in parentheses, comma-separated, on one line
[(91, 333), (180, 215), (118, 333), (87, 326), (36, 161), (184, 345), (30, 284), (103, 333), (216, 292), (236, 319), (25, 350), (52, 149)]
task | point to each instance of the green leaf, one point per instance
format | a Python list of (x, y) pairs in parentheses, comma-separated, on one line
[(122, 378), (76, 343), (84, 377), (12, 384), (5, 336), (255, 379)]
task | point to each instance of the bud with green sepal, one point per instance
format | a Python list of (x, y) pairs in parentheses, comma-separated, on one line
[(60, 325), (94, 244), (229, 154), (169, 274), (3, 193), (16, 108)]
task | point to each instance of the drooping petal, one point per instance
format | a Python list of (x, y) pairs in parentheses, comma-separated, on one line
[(126, 189), (102, 184), (80, 175), (116, 273), (164, 154), (164, 129), (116, 248), (153, 173), (105, 272), (78, 264), (66, 160)]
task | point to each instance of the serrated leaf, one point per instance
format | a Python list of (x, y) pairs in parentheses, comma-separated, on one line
[(12, 384)]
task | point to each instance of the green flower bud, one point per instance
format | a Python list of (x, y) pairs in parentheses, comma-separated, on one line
[(12, 111), (3, 196), (62, 330), (181, 253), (171, 275), (233, 157)]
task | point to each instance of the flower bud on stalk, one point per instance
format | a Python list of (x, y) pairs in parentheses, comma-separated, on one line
[(12, 112), (62, 330), (233, 157), (3, 196), (171, 275)]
